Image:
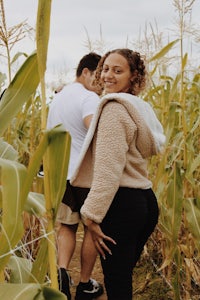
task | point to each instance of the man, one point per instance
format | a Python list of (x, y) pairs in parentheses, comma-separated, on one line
[(74, 107)]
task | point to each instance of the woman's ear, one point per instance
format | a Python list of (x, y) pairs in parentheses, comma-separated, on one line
[(134, 75)]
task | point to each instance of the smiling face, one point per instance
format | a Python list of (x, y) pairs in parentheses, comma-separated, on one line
[(116, 75)]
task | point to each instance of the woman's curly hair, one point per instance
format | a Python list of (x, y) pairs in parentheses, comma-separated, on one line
[(137, 68)]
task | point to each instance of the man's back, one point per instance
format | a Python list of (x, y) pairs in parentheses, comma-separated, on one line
[(70, 106)]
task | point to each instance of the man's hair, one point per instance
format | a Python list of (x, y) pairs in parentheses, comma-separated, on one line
[(89, 61)]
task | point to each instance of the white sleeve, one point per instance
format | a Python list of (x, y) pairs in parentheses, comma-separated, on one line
[(89, 105)]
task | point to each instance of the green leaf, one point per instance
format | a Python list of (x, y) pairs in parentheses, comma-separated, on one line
[(19, 291), (193, 217), (42, 33), (35, 204), (57, 144), (51, 294), (163, 51), (35, 162), (17, 55), (21, 88), (29, 292), (184, 61), (20, 269), (58, 154), (12, 178), (192, 167), (58, 151), (7, 151), (40, 265)]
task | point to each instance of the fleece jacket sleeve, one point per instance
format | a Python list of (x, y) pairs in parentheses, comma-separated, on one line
[(111, 142)]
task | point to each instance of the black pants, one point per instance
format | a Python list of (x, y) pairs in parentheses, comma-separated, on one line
[(130, 221)]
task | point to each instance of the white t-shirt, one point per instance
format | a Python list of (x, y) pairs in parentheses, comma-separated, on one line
[(69, 107)]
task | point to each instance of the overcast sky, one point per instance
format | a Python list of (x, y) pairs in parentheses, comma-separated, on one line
[(118, 21)]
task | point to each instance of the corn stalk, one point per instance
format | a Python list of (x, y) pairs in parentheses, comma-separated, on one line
[(42, 39)]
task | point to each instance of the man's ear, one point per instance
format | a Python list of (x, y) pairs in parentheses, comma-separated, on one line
[(85, 71)]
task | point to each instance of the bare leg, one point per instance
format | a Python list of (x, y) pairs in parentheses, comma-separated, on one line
[(88, 257), (66, 244)]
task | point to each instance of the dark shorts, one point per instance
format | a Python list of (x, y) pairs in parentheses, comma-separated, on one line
[(69, 209)]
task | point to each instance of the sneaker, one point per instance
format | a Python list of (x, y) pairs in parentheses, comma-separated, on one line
[(88, 291), (64, 281)]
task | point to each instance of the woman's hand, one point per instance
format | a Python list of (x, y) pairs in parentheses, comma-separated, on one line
[(99, 237)]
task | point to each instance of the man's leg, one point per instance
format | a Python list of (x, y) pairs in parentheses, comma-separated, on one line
[(88, 256), (88, 288), (68, 213), (66, 244)]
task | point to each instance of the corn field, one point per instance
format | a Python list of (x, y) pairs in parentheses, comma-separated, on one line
[(28, 204)]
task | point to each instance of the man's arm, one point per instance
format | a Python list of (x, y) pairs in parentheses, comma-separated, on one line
[(87, 121)]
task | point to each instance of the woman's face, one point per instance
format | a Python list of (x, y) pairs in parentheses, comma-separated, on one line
[(116, 75)]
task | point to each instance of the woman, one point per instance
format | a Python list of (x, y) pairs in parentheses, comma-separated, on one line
[(121, 209)]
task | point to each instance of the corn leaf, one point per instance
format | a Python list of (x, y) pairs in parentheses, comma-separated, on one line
[(184, 61), (19, 268), (192, 168), (40, 265), (42, 33), (42, 39), (52, 294), (58, 154), (35, 204), (164, 51), (12, 178), (57, 144), (193, 218), (21, 88), (29, 292), (7, 151)]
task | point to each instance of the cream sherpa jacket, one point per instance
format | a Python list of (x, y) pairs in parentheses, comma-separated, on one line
[(124, 132)]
